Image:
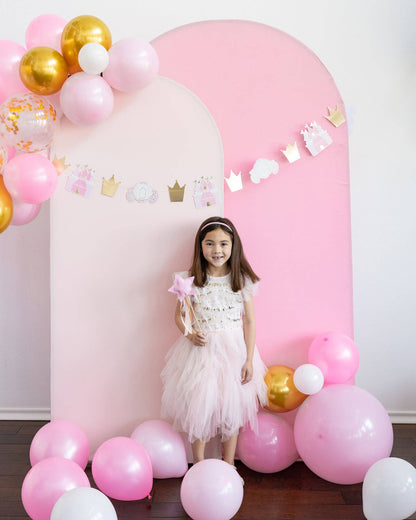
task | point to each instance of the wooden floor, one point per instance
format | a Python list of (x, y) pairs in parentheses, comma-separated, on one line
[(295, 493)]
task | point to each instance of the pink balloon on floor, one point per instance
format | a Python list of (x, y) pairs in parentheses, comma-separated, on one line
[(45, 31), (60, 439), (23, 213), (86, 99), (271, 449), (133, 63), (336, 355), (212, 489), (46, 482), (30, 178), (164, 446), (341, 431), (122, 469)]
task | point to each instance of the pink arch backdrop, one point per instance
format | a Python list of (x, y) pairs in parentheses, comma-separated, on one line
[(262, 87)]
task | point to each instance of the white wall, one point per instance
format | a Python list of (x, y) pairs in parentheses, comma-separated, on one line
[(369, 48)]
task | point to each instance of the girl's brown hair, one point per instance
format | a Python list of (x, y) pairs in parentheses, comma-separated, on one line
[(239, 266)]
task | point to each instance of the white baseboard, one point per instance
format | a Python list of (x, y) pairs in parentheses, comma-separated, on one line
[(25, 414), (44, 414), (403, 417)]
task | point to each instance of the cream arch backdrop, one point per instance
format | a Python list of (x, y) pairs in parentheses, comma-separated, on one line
[(112, 260)]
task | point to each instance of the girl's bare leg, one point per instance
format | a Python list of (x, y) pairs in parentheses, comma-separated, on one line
[(198, 450), (229, 448)]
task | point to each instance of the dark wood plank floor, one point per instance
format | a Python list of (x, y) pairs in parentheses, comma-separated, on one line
[(295, 493)]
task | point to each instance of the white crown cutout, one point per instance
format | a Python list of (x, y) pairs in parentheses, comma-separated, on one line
[(316, 138), (234, 182)]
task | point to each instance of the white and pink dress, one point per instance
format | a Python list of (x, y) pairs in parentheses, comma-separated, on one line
[(202, 391)]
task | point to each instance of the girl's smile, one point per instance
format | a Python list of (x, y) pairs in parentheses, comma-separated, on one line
[(216, 249)]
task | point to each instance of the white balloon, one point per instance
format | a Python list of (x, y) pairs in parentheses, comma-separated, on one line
[(308, 379), (93, 58), (389, 490), (83, 503)]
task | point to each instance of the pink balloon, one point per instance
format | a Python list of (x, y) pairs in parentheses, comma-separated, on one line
[(212, 489), (4, 156), (133, 64), (10, 56), (164, 446), (30, 178), (86, 99), (45, 31), (336, 355), (271, 449), (24, 213), (46, 482), (122, 469), (60, 439), (341, 431), (12, 152)]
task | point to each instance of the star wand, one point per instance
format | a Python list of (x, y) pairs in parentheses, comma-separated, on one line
[(182, 287)]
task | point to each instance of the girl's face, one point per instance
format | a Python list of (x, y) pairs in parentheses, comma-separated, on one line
[(216, 249)]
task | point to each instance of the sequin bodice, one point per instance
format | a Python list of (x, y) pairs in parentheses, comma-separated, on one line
[(216, 306)]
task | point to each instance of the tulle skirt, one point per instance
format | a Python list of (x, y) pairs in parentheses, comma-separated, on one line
[(202, 391)]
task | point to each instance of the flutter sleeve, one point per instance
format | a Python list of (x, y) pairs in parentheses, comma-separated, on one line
[(250, 289)]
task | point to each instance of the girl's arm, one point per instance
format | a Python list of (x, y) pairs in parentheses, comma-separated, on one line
[(197, 338), (249, 328)]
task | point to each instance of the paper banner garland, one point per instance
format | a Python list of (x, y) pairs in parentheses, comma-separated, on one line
[(316, 138), (109, 187), (81, 181), (262, 169), (206, 192), (142, 192), (176, 192)]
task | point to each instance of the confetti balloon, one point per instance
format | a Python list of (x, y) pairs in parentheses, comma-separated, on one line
[(6, 206), (43, 70), (282, 393), (27, 122), (4, 156), (80, 31)]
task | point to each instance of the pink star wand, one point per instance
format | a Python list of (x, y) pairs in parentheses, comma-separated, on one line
[(182, 287)]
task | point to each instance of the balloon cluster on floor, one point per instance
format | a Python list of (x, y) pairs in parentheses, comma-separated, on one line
[(341, 432), (70, 69)]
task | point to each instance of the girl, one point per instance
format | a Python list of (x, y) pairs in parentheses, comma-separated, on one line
[(213, 378)]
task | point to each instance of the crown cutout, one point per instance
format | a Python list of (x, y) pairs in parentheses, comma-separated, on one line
[(234, 182), (176, 192), (60, 165), (291, 153), (336, 117), (109, 187)]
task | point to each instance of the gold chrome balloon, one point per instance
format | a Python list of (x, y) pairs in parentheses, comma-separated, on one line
[(79, 31), (43, 70), (282, 394), (6, 206)]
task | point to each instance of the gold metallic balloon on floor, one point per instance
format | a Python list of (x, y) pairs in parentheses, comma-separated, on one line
[(79, 31), (6, 206), (43, 70), (282, 394)]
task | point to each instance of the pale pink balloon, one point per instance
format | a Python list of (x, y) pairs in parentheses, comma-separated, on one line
[(45, 31), (269, 450), (212, 489), (10, 56), (12, 152), (31, 178), (23, 213), (132, 65), (164, 446), (64, 439), (336, 355), (46, 482), (341, 431), (86, 99), (122, 469)]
